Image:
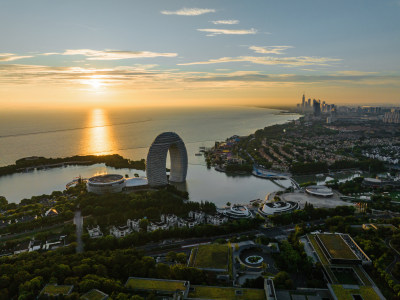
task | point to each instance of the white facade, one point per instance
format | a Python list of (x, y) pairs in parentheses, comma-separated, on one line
[(278, 207), (238, 212), (108, 183), (120, 231), (216, 219), (133, 224), (95, 232)]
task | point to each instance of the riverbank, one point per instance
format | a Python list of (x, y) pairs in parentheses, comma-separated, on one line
[(32, 163)]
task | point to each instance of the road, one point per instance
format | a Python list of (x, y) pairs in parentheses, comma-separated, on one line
[(78, 221), (272, 232)]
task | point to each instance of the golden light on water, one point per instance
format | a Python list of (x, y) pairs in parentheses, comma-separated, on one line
[(99, 138)]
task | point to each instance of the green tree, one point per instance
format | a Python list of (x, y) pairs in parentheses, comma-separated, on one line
[(181, 258), (143, 224)]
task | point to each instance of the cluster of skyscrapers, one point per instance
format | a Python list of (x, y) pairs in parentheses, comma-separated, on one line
[(315, 106)]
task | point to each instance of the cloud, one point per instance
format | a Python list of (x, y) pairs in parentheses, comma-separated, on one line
[(225, 22), (269, 49), (214, 31), (189, 11), (293, 78), (11, 57), (113, 54), (357, 73), (268, 60), (138, 77)]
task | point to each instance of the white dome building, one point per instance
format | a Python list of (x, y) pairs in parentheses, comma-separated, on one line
[(108, 183), (238, 212), (277, 207), (319, 190)]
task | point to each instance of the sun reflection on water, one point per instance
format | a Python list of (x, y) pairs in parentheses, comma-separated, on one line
[(100, 138)]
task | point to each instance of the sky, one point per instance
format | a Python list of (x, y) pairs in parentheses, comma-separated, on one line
[(127, 53)]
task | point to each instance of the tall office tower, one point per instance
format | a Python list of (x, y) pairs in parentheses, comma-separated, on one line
[(316, 107), (303, 100), (309, 103)]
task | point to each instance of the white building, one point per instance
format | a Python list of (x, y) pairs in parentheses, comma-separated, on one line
[(133, 224), (197, 215), (95, 232), (34, 245), (157, 226), (238, 212), (216, 219), (120, 231), (171, 220), (108, 183)]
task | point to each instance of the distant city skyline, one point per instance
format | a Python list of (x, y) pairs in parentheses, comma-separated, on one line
[(189, 53)]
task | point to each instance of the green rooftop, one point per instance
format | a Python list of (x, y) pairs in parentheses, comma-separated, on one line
[(54, 289), (94, 295), (155, 284), (212, 256), (228, 293), (336, 246), (366, 292)]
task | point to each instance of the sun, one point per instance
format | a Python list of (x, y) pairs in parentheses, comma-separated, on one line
[(95, 83)]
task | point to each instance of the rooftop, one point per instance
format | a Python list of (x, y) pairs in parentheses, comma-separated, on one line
[(135, 181), (106, 178), (344, 293), (136, 283), (336, 246), (228, 293), (212, 256), (94, 295), (54, 289)]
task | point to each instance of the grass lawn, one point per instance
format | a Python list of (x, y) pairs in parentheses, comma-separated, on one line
[(366, 292), (212, 256), (153, 284), (54, 290), (220, 293), (94, 295), (336, 246)]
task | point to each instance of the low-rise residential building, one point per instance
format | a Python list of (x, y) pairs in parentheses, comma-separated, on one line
[(34, 245), (133, 224), (120, 231), (95, 232), (170, 219), (54, 242), (217, 219)]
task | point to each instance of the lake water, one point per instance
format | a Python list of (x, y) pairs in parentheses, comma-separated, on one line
[(129, 133), (202, 183)]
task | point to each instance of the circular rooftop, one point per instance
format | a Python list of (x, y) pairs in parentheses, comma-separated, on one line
[(106, 178), (277, 207), (319, 190)]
